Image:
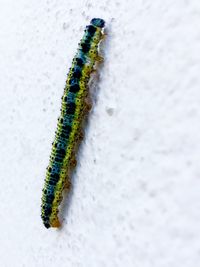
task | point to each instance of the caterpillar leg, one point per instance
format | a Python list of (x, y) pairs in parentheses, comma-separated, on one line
[(67, 184), (81, 135), (104, 35), (100, 59), (88, 104), (73, 162)]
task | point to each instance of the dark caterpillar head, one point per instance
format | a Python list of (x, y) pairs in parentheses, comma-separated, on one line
[(97, 22)]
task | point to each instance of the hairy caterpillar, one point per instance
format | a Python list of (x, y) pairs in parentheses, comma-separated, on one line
[(68, 135)]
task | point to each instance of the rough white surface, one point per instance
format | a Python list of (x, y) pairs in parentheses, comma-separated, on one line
[(136, 190)]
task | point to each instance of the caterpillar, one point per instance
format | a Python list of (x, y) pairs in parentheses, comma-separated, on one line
[(69, 133)]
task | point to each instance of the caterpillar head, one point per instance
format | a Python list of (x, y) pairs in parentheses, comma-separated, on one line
[(98, 22)]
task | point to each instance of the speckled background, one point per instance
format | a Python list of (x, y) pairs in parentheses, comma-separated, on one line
[(135, 200)]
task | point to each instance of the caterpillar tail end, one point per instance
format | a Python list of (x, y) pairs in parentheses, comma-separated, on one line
[(56, 223)]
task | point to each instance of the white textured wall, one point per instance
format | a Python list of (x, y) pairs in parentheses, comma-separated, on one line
[(136, 190)]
